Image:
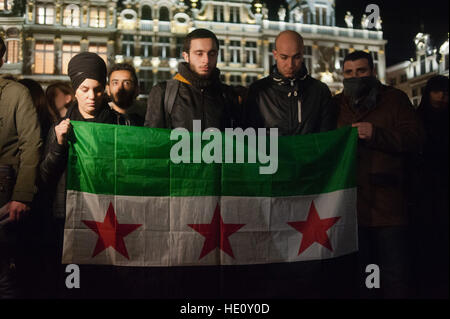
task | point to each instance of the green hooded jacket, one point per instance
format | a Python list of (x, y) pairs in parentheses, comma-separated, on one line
[(20, 138)]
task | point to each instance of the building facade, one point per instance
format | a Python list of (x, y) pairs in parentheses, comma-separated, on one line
[(412, 76), (43, 35)]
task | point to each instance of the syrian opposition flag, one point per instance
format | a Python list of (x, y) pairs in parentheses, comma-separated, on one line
[(129, 205)]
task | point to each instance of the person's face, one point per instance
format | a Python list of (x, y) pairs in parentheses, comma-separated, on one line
[(288, 56), (438, 99), (202, 56), (357, 69), (121, 88), (89, 96), (61, 99)]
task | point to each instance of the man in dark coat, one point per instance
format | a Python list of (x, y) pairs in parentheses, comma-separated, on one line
[(289, 99), (389, 131)]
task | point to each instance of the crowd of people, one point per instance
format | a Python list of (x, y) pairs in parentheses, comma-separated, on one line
[(402, 156)]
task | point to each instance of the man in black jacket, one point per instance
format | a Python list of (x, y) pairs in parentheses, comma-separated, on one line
[(197, 93), (289, 99)]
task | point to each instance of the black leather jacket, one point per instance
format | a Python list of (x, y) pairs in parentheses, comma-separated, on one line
[(295, 106), (52, 171), (208, 100)]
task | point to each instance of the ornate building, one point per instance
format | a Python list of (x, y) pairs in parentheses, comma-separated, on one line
[(43, 35), (412, 76)]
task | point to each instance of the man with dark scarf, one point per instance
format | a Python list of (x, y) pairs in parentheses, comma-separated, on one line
[(389, 133), (87, 72), (289, 98), (200, 95), (122, 89)]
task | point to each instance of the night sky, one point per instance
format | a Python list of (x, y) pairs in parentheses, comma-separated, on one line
[(402, 20)]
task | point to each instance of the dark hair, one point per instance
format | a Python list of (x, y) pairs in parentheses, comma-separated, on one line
[(356, 55), (65, 88), (199, 34), (435, 83), (2, 48), (124, 67), (45, 114)]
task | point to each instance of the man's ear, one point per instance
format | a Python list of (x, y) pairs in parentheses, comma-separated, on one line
[(186, 56), (275, 54)]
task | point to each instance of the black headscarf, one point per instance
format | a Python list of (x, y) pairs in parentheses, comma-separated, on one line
[(86, 65)]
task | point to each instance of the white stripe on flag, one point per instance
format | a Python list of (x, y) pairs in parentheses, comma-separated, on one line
[(166, 239)]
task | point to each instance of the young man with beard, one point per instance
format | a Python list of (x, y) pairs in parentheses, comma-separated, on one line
[(122, 89), (289, 98), (196, 92), (389, 132)]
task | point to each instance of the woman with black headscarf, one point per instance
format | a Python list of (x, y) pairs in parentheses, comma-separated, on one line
[(433, 207), (87, 72)]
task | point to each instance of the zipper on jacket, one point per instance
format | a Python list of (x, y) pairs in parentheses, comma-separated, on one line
[(299, 108)]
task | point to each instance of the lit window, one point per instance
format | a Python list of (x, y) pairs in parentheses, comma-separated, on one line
[(164, 14), (221, 57), (44, 57), (270, 54), (235, 79), (146, 47), (163, 76), (4, 5), (235, 51), (218, 14), (100, 49), (72, 16), (235, 15), (164, 45), (128, 45), (403, 78), (45, 14), (145, 80), (179, 45), (375, 59), (12, 51), (307, 58), (69, 49), (146, 13), (249, 79), (97, 17), (252, 51)]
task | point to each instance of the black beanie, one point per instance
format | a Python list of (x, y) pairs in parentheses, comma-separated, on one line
[(86, 65)]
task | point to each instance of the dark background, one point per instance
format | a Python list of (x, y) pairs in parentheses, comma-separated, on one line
[(401, 21)]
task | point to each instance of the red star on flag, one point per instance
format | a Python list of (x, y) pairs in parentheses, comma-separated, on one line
[(314, 229), (111, 233), (216, 234)]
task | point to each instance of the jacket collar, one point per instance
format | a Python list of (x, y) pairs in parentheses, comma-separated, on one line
[(281, 80), (191, 78)]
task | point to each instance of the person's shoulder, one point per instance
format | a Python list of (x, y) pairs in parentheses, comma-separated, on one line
[(261, 84), (390, 92), (12, 87), (316, 84)]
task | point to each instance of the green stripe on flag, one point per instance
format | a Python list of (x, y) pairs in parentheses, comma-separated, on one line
[(135, 161)]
